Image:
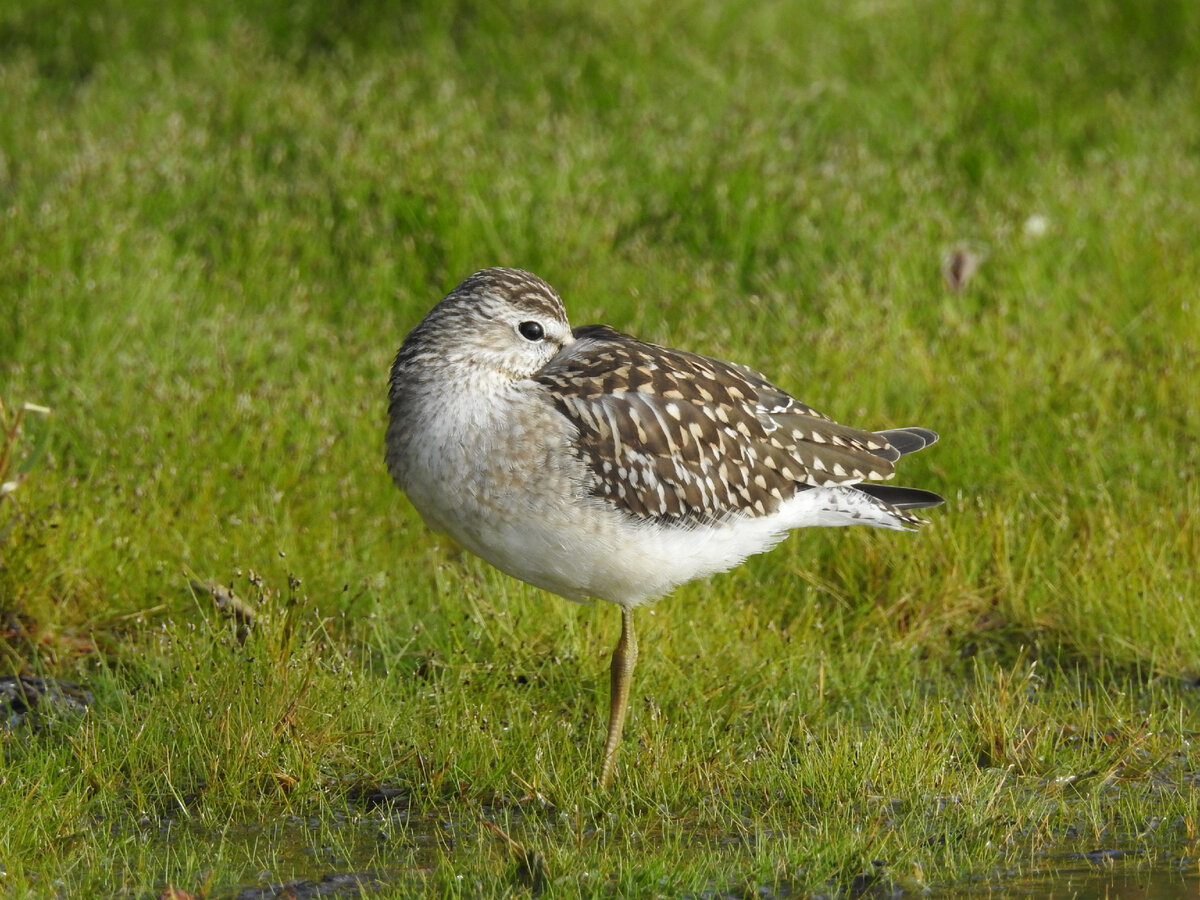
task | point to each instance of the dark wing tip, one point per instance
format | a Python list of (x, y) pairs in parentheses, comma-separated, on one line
[(908, 440)]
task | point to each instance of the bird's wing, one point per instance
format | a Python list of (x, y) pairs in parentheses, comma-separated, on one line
[(671, 435)]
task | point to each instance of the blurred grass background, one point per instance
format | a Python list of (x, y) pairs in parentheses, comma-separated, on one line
[(219, 220)]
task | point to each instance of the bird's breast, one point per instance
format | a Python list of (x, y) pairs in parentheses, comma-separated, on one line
[(473, 464)]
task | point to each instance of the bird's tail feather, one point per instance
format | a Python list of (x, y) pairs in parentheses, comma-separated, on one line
[(901, 497)]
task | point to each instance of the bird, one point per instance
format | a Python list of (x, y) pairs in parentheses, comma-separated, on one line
[(594, 465)]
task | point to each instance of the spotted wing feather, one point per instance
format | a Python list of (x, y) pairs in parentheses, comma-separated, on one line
[(677, 437)]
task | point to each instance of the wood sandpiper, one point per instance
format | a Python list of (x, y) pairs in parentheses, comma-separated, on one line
[(594, 465)]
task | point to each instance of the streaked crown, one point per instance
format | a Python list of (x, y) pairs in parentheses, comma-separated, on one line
[(505, 321)]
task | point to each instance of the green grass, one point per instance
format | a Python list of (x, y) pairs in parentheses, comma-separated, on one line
[(218, 221)]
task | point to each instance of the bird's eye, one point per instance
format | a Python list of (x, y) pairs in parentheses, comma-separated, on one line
[(532, 331)]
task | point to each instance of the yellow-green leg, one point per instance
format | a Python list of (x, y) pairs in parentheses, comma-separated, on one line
[(624, 658)]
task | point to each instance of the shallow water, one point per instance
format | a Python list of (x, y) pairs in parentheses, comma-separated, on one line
[(340, 855), (1091, 883), (377, 841)]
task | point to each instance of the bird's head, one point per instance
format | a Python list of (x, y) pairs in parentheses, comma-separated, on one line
[(499, 322)]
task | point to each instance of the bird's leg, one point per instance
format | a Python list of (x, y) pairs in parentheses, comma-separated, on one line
[(624, 658)]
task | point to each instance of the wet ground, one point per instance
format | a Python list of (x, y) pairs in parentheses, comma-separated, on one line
[(1088, 882), (369, 846), (28, 700), (380, 843)]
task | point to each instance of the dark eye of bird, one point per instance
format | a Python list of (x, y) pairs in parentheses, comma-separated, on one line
[(531, 331)]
